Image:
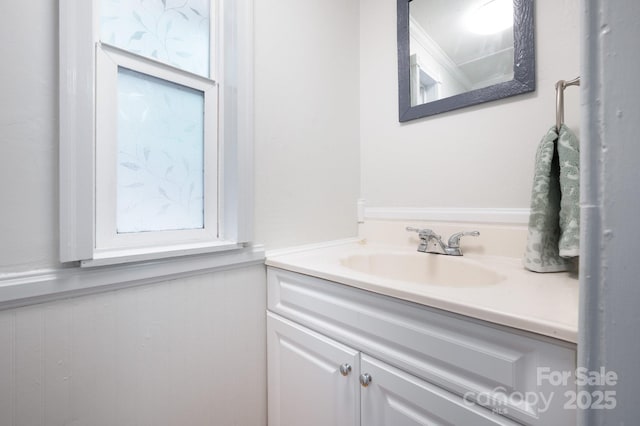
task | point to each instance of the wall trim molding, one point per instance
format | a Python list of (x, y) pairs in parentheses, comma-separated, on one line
[(44, 285), (312, 246), (474, 215)]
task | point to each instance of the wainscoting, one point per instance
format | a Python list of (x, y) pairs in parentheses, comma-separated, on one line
[(190, 351)]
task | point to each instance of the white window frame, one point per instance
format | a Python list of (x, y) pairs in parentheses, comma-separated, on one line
[(84, 236), (108, 61)]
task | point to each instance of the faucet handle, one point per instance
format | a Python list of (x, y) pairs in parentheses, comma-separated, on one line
[(412, 229), (454, 240), (423, 233)]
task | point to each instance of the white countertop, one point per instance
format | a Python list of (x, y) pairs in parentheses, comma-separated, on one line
[(546, 304)]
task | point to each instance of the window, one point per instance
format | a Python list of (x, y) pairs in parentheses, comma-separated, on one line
[(155, 128), (424, 87)]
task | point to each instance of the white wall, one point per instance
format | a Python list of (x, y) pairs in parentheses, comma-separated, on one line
[(176, 353), (190, 351), (474, 157), (308, 144), (306, 127), (28, 136), (306, 120)]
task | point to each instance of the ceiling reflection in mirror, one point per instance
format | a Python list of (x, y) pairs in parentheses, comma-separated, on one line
[(457, 46)]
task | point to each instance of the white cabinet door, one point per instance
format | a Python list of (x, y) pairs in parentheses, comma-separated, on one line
[(395, 398), (307, 386)]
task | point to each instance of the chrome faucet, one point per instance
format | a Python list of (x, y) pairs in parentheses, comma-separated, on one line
[(430, 242)]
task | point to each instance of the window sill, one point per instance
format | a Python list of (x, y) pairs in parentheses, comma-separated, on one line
[(52, 284), (119, 256)]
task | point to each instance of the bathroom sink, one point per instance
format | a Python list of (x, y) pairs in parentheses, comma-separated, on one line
[(431, 269)]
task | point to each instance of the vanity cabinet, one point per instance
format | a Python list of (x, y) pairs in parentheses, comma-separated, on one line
[(425, 365), (316, 381), (395, 398), (313, 380)]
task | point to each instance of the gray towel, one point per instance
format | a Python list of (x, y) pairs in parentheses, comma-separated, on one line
[(554, 224)]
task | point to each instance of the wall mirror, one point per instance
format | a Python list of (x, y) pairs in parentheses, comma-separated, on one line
[(457, 53)]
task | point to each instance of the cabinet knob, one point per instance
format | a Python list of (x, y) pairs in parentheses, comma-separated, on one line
[(365, 379), (345, 369)]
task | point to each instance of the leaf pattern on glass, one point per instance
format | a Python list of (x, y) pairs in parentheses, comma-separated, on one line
[(182, 14), (177, 34), (131, 166), (137, 35), (134, 185), (137, 17), (160, 155), (163, 192)]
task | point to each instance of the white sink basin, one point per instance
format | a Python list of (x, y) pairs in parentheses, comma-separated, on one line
[(431, 269)]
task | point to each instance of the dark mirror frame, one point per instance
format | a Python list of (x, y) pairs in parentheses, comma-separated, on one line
[(524, 78)]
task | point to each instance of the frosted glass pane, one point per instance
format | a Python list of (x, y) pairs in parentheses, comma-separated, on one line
[(160, 171), (175, 32)]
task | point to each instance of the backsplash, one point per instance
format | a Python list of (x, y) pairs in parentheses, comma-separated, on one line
[(494, 239)]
